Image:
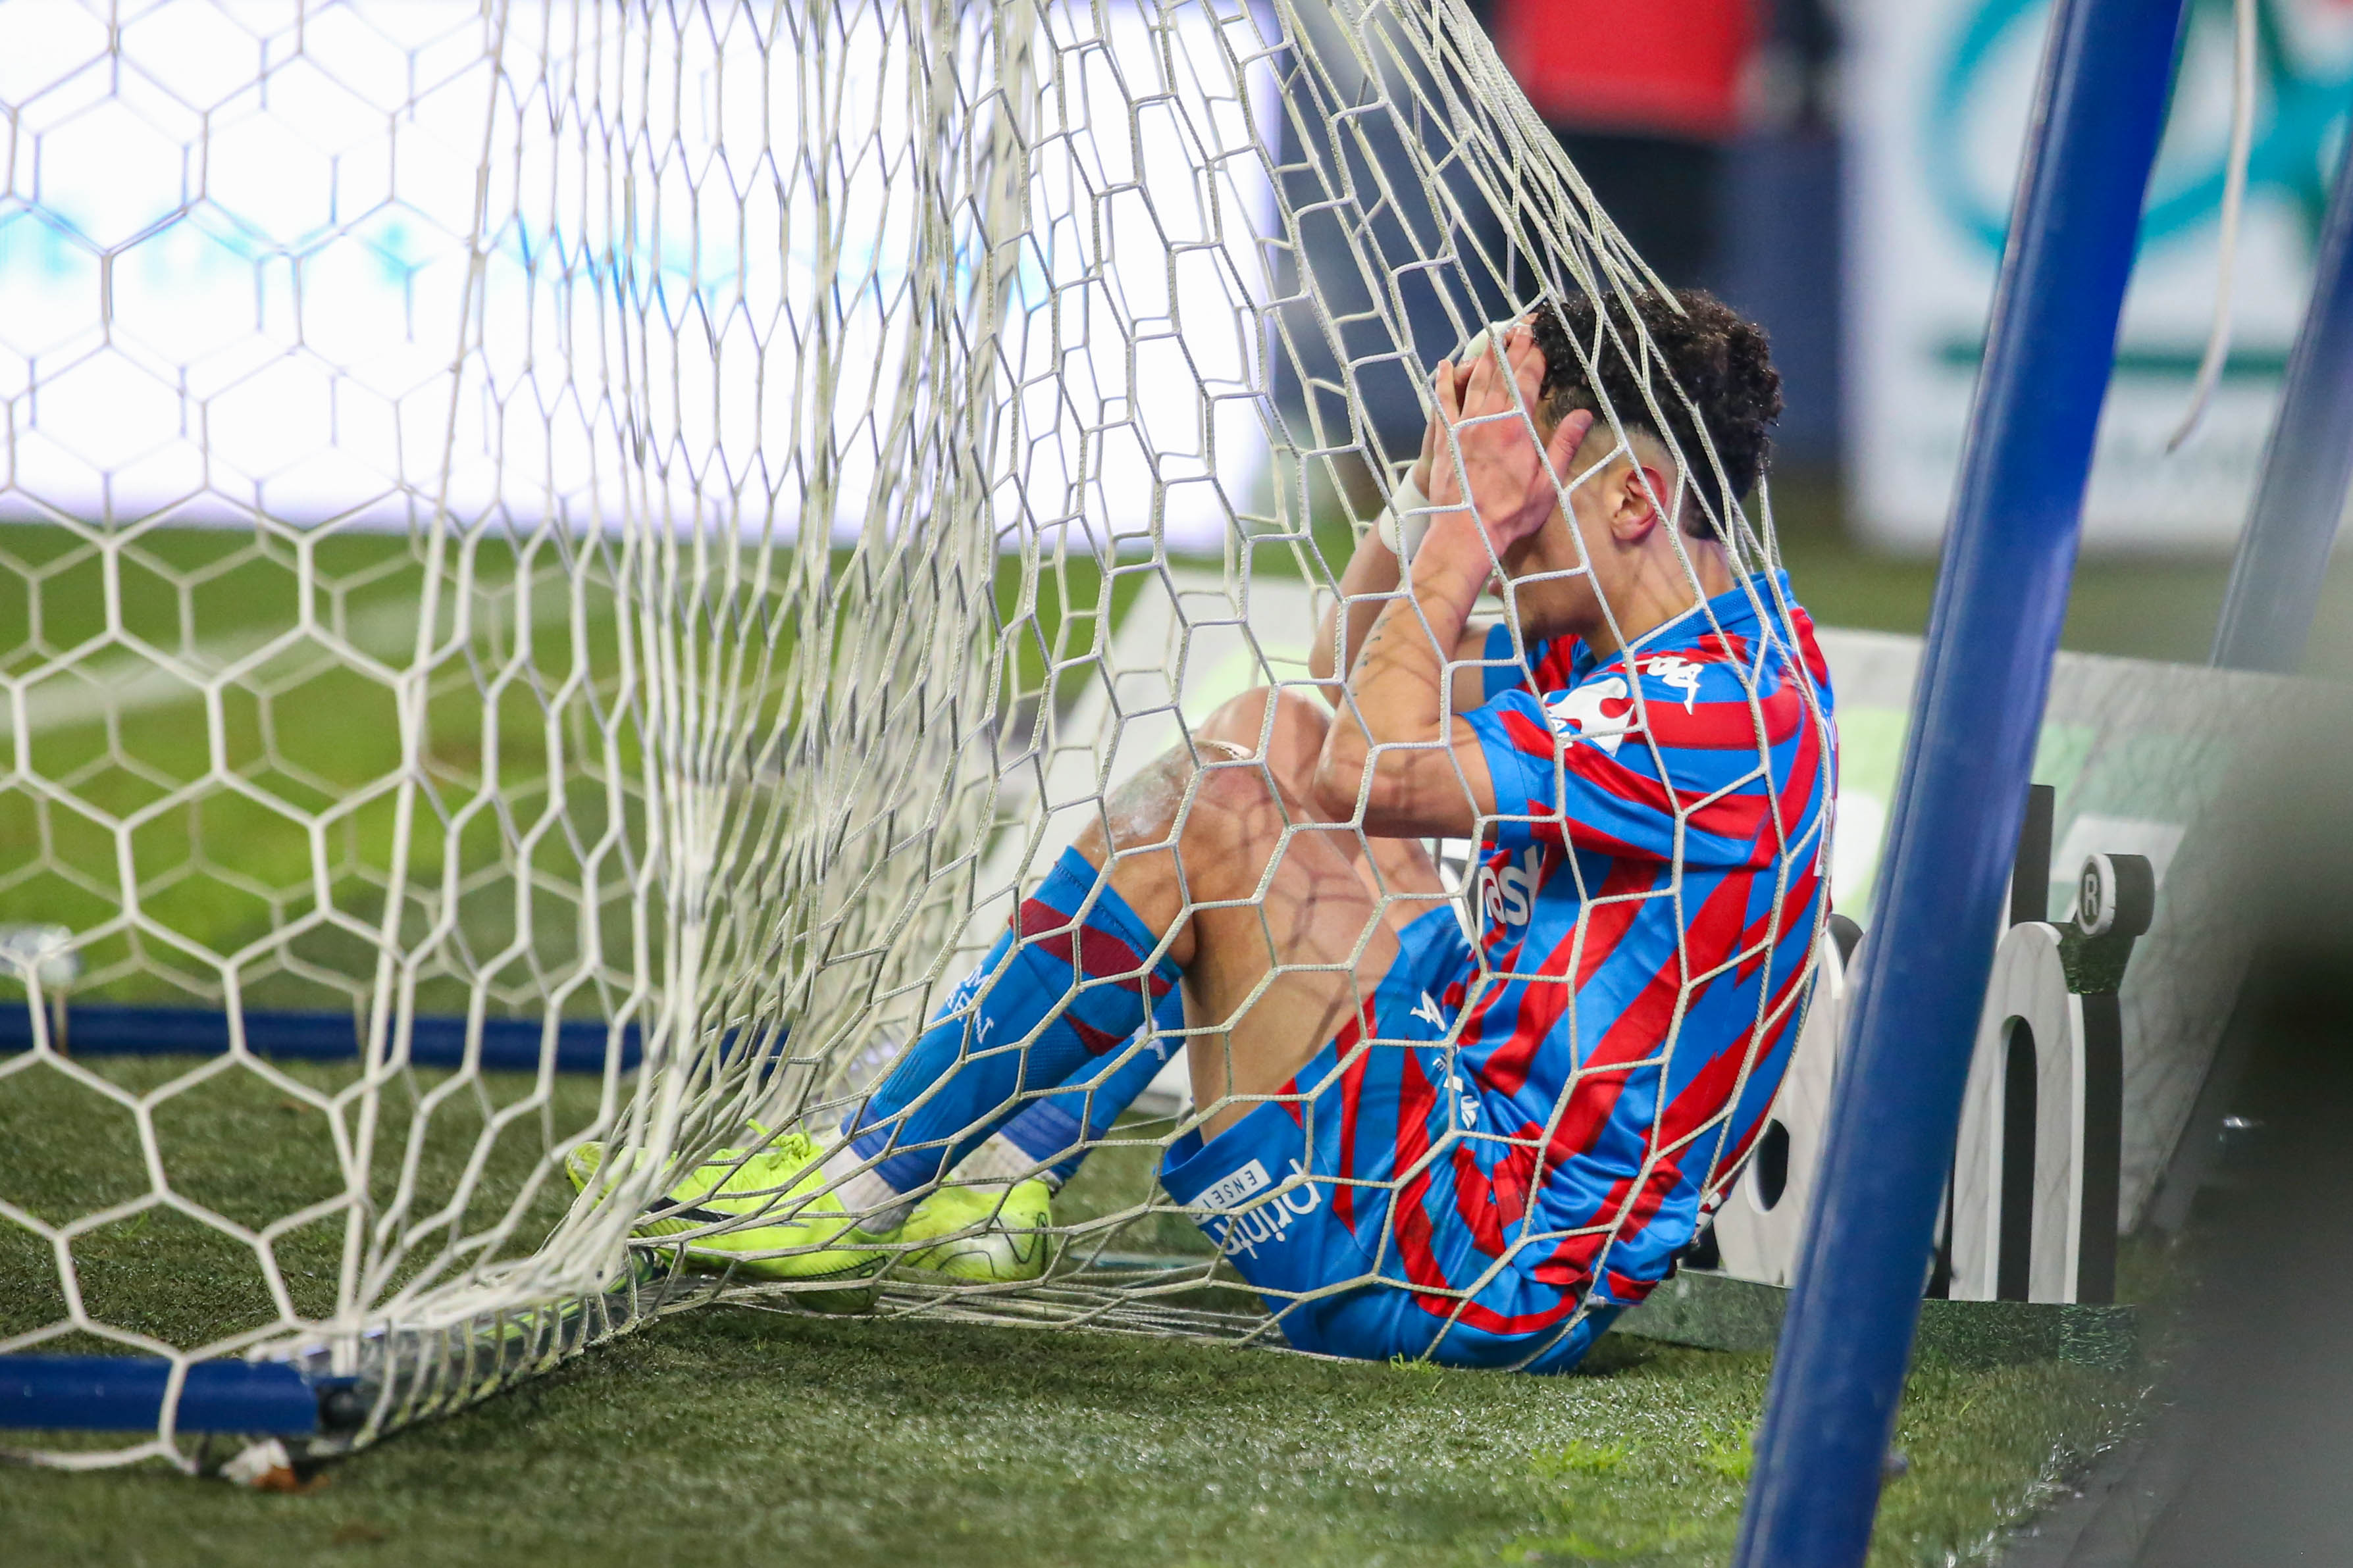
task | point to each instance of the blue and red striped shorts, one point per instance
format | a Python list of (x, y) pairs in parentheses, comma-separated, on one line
[(1374, 1204)]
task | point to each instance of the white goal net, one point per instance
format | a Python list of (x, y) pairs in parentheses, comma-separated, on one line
[(565, 564)]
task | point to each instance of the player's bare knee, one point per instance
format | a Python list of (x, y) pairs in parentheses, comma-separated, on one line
[(1213, 792), (1281, 728), (1243, 721), (1233, 785)]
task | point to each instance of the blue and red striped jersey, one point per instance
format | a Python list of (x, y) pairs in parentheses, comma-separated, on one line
[(1649, 898)]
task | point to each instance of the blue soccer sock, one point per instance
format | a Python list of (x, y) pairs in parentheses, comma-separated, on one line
[(1055, 1133), (1065, 984)]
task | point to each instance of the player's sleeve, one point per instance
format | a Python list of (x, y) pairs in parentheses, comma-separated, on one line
[(1578, 767)]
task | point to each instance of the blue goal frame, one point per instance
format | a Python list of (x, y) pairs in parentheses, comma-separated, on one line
[(2001, 594)]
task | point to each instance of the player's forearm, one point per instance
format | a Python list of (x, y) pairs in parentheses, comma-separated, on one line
[(1372, 578), (1393, 717), (1366, 588), (1398, 681)]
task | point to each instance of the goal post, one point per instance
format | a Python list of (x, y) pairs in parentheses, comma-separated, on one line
[(1977, 711), (561, 557)]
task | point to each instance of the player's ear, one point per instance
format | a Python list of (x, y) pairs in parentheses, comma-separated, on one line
[(1635, 513)]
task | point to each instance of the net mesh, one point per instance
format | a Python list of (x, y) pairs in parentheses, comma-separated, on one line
[(568, 564)]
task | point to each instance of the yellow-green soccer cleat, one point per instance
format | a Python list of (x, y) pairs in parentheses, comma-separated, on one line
[(827, 1242), (985, 1235)]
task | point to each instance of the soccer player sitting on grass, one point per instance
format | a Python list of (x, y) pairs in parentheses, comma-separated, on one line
[(1415, 1140)]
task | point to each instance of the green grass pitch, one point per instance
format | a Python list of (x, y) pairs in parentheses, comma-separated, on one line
[(734, 1435), (737, 1437), (749, 1435), (755, 1435)]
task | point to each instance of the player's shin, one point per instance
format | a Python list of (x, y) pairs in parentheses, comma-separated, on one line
[(1066, 984), (1053, 1133)]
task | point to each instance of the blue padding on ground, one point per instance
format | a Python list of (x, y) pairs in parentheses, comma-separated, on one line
[(510, 1043), (125, 1393)]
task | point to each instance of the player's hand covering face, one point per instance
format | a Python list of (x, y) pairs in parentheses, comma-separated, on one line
[(1513, 481)]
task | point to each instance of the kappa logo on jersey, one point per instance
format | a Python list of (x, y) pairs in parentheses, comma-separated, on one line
[(1674, 669), (1427, 1011), (1507, 893), (1585, 712), (1266, 1222)]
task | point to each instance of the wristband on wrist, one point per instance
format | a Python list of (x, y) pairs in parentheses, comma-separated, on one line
[(1405, 521)]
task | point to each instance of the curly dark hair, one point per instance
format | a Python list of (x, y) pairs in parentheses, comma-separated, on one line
[(1719, 358)]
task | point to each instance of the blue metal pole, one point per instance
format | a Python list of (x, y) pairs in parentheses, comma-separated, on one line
[(2276, 582), (125, 1393), (1994, 627)]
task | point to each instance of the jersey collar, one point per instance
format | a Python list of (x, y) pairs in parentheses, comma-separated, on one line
[(1732, 611)]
